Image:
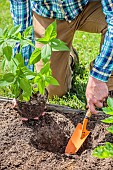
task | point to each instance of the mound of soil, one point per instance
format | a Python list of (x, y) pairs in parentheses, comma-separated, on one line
[(33, 108), (40, 145)]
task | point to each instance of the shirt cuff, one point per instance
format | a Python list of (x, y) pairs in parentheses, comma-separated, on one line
[(100, 74)]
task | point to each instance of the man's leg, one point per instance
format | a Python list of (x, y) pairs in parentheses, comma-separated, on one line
[(93, 21), (60, 61)]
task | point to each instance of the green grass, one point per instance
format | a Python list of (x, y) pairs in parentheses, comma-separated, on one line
[(5, 16), (87, 46)]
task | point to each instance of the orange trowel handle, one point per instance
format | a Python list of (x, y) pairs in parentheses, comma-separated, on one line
[(85, 121)]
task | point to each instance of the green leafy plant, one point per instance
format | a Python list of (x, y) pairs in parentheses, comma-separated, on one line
[(15, 75), (106, 151)]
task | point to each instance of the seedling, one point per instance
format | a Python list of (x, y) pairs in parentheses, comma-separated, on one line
[(22, 82), (106, 151)]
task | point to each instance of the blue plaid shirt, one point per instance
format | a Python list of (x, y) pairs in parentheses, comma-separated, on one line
[(68, 10), (22, 14)]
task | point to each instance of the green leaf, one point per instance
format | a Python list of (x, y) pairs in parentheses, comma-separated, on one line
[(51, 31), (43, 40), (27, 73), (4, 83), (24, 43), (45, 69), (105, 151), (28, 31), (19, 72), (40, 82), (1, 32), (37, 78), (19, 59), (110, 129), (35, 57), (29, 42), (108, 120), (41, 87), (46, 53), (15, 89), (1, 42), (100, 152), (57, 41), (11, 42), (109, 148), (110, 102), (9, 77), (58, 45), (11, 66), (25, 97), (108, 110), (51, 80), (5, 32), (50, 34), (3, 64), (25, 86), (14, 30), (18, 36), (7, 51)]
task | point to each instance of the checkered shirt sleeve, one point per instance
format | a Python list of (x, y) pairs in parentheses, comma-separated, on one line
[(103, 65), (22, 14)]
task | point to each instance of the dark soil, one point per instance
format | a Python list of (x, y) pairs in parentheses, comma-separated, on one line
[(34, 108), (40, 145)]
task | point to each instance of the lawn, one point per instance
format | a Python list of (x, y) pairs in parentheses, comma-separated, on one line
[(87, 46), (5, 17)]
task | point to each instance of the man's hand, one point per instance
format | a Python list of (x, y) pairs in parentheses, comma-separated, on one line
[(96, 93)]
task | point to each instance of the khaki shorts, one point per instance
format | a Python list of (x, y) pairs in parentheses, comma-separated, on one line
[(91, 19)]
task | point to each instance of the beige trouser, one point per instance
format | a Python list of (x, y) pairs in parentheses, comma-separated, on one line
[(91, 19)]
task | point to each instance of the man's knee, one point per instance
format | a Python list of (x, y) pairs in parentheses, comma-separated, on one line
[(58, 91)]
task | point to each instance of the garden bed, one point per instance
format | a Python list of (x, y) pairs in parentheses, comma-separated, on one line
[(40, 145)]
